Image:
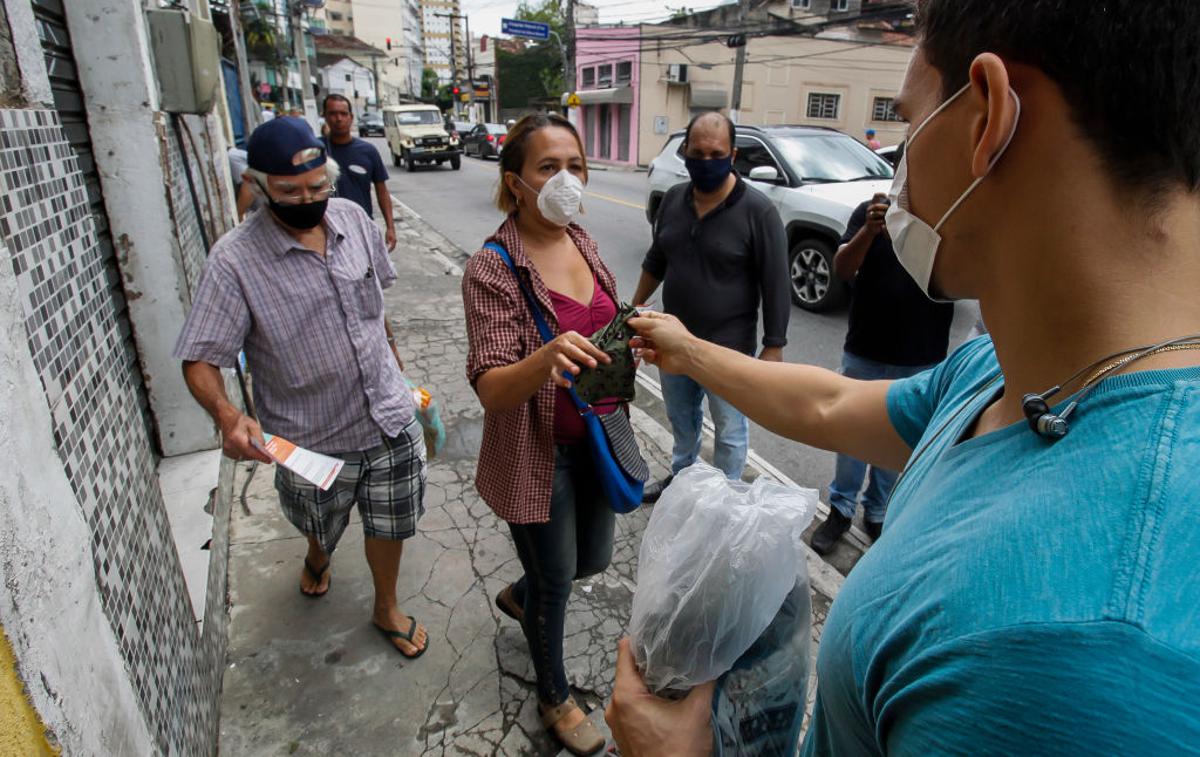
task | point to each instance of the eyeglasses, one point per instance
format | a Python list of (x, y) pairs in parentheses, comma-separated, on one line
[(312, 195)]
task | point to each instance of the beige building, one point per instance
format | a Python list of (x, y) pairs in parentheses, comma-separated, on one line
[(787, 80), (445, 45), (393, 26), (338, 16), (832, 63)]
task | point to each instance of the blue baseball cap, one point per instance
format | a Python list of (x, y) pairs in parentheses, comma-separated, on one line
[(284, 146)]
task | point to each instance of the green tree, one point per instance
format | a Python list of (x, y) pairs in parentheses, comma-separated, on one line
[(543, 61), (552, 12), (429, 83)]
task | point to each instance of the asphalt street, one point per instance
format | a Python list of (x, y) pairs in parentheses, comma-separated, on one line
[(459, 205)]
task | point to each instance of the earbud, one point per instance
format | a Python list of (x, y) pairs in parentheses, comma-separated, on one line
[(1043, 422)]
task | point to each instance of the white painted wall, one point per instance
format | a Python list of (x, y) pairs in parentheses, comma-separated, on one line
[(72, 666), (361, 81), (113, 56)]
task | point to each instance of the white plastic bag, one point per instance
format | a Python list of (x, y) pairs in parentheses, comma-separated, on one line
[(718, 560)]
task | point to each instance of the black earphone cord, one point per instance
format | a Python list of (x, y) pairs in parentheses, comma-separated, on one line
[(1126, 357)]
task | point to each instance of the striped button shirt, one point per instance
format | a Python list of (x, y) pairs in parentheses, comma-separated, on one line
[(311, 327), (515, 474)]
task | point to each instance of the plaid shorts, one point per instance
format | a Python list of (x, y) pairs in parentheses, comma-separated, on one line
[(387, 482)]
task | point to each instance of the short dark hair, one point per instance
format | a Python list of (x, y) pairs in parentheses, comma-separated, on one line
[(516, 145), (1128, 69), (343, 98), (707, 114)]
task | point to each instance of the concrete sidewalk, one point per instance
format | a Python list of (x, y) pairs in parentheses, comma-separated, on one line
[(313, 677)]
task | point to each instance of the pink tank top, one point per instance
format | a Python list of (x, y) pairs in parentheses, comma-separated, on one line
[(586, 320)]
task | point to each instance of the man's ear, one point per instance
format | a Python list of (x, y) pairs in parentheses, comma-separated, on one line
[(995, 110)]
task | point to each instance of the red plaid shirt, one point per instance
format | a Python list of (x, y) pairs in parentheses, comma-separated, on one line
[(515, 475)]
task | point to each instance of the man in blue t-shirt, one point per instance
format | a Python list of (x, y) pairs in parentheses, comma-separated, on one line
[(362, 168), (1033, 590)]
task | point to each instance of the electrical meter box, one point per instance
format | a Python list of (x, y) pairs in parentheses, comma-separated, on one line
[(187, 57)]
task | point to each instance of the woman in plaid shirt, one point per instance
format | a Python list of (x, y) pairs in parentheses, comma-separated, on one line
[(535, 470)]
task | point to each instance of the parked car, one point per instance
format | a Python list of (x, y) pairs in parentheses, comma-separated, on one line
[(891, 153), (415, 135), (485, 140), (815, 176), (370, 125)]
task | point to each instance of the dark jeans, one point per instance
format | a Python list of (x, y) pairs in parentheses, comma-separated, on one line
[(576, 543)]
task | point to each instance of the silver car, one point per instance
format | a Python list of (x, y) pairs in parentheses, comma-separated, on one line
[(816, 177)]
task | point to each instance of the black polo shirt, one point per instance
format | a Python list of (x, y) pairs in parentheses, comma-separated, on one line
[(717, 269), (891, 319)]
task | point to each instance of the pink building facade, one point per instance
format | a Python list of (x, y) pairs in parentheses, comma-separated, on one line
[(607, 67)]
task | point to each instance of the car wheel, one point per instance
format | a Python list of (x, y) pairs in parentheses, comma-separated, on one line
[(456, 162), (810, 271), (408, 162)]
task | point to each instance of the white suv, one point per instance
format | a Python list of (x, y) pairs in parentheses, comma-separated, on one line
[(816, 177)]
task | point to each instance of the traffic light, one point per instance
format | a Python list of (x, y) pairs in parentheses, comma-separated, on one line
[(389, 43), (455, 90)]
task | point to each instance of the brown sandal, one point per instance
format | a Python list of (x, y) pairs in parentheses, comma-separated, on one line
[(508, 605), (583, 739)]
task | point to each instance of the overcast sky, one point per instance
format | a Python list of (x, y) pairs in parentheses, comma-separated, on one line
[(485, 15)]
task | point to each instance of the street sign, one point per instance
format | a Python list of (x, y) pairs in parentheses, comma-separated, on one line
[(573, 101), (531, 29)]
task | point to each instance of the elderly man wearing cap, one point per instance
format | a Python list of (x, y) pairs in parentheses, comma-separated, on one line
[(299, 288)]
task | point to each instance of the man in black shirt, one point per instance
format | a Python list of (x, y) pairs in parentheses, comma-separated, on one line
[(895, 331), (719, 249), (362, 168)]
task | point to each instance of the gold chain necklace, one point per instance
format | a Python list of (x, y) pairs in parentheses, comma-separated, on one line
[(1122, 362)]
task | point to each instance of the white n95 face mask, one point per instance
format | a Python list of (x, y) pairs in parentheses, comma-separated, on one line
[(914, 241), (560, 197)]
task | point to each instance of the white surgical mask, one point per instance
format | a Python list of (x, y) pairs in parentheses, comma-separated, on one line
[(560, 197), (915, 242)]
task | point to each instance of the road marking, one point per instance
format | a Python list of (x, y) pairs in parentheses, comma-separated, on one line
[(617, 200)]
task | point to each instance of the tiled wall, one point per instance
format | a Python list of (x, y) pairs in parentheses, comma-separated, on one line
[(103, 444)]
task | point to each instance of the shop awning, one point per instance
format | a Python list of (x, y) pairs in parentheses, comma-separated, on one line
[(709, 96), (616, 95)]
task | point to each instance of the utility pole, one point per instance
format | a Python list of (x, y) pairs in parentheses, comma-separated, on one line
[(306, 95), (736, 108), (251, 109), (570, 65)]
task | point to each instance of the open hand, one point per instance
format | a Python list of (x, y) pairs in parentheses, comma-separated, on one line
[(567, 352), (643, 724)]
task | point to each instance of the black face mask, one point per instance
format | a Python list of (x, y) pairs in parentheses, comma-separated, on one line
[(303, 216)]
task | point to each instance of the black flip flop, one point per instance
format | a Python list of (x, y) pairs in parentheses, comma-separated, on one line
[(317, 575), (405, 636)]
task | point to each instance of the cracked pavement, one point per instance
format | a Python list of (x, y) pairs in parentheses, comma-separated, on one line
[(312, 676)]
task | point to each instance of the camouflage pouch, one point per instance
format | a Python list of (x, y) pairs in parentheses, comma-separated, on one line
[(613, 382)]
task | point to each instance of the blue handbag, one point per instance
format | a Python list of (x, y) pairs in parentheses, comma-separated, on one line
[(619, 464)]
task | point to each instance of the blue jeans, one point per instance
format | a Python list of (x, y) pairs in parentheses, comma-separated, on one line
[(576, 543), (849, 473), (683, 399)]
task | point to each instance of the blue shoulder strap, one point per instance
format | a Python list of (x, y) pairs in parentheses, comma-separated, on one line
[(543, 327), (538, 318)]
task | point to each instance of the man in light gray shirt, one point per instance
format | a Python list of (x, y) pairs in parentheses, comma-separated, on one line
[(299, 288)]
